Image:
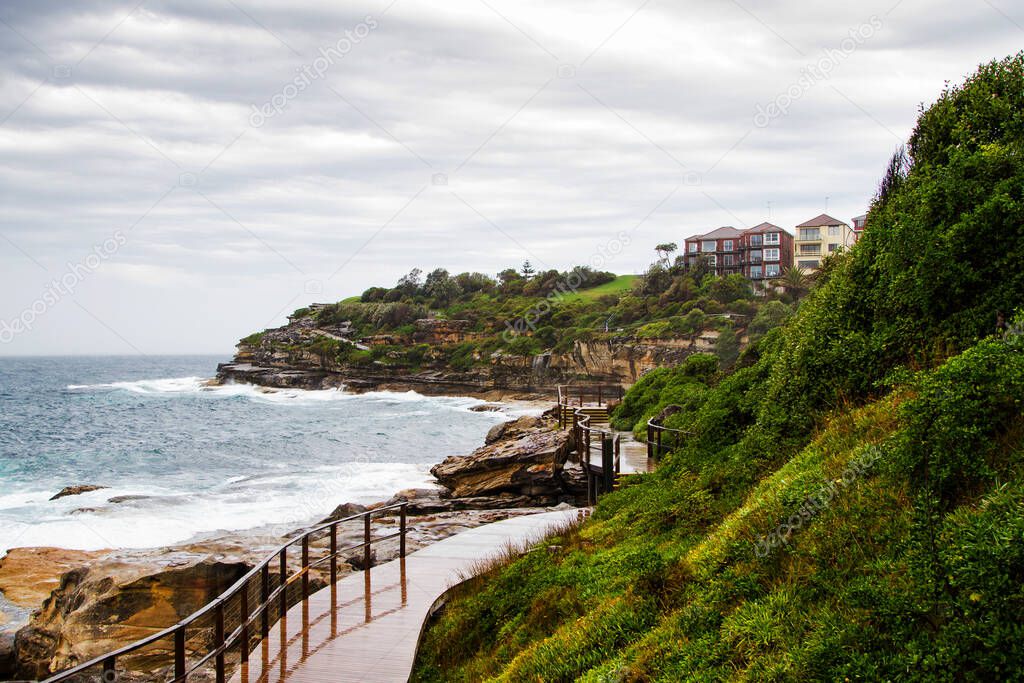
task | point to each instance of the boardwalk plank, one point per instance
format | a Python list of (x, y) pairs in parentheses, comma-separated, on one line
[(365, 629)]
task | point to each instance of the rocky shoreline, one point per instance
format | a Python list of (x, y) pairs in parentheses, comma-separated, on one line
[(63, 607)]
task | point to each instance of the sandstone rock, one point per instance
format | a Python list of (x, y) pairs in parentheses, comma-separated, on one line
[(7, 661), (487, 408), (126, 499), (523, 457), (107, 605), (29, 575), (77, 490), (344, 510), (510, 430), (666, 412)]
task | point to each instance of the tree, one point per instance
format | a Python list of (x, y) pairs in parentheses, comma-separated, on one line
[(442, 287), (527, 269), (508, 275), (795, 282), (665, 250), (727, 347), (409, 284)]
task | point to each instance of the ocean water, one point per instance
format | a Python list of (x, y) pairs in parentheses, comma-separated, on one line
[(193, 459)]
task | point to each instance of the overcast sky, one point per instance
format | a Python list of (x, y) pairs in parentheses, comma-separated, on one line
[(192, 171)]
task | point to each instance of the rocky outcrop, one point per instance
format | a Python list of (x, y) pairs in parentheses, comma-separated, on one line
[(613, 362), (101, 607), (76, 490), (524, 458)]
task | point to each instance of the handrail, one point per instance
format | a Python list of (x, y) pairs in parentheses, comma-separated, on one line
[(268, 598), (567, 392), (655, 440), (600, 478)]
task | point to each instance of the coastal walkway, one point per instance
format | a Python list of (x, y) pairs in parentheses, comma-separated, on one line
[(366, 627)]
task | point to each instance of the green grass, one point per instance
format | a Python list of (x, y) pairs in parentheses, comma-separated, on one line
[(619, 285), (352, 300)]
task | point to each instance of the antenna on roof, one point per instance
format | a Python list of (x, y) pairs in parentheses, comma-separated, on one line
[(769, 209), (826, 203)]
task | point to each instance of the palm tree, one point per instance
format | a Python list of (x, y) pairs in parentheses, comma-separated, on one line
[(795, 282)]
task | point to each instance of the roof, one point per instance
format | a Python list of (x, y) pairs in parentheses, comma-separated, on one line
[(723, 233), (859, 221), (819, 221), (767, 227)]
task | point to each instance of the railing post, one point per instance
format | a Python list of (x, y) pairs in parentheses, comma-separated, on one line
[(366, 543), (402, 523), (334, 554), (284, 581), (265, 600), (179, 654), (600, 401), (305, 567), (650, 441), (218, 639), (244, 609), (659, 443), (109, 670), (607, 464)]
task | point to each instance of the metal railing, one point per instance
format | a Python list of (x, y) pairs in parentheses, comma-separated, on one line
[(662, 439), (231, 619), (600, 477)]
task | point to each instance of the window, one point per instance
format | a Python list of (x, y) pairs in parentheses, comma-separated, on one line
[(810, 249), (727, 245), (755, 240), (807, 265), (727, 260), (833, 231), (772, 270), (692, 246), (810, 234), (755, 256), (755, 272), (712, 260), (833, 247), (771, 254), (771, 238), (708, 246)]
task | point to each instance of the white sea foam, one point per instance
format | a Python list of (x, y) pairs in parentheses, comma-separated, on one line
[(266, 484), (161, 517), (202, 386)]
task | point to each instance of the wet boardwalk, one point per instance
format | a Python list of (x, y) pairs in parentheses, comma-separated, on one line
[(366, 627)]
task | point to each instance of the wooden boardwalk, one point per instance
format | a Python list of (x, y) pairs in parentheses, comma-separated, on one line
[(366, 627)]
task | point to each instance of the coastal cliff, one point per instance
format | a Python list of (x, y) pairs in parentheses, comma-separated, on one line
[(295, 356)]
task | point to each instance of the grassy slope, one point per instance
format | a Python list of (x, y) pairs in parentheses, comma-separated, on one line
[(620, 285), (661, 586)]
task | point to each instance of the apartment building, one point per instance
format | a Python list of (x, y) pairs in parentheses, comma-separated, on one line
[(759, 253), (766, 250), (719, 248), (819, 237), (858, 226)]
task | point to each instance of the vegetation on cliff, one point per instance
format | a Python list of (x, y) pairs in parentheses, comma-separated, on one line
[(850, 504), (460, 322)]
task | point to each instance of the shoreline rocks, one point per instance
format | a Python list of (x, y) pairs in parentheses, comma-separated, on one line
[(524, 458), (77, 490)]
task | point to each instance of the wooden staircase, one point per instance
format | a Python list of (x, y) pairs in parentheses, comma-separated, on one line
[(598, 414)]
